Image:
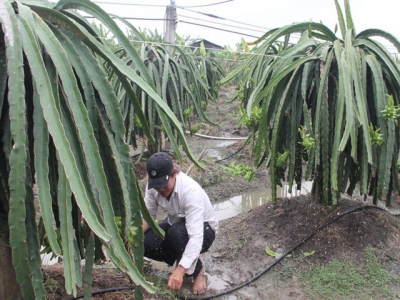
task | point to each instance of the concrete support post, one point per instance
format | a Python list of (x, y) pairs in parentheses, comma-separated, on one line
[(170, 25)]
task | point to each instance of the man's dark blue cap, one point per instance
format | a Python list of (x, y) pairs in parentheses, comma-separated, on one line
[(159, 168)]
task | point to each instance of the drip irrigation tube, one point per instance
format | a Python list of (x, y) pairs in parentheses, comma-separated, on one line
[(103, 291), (229, 156), (255, 277)]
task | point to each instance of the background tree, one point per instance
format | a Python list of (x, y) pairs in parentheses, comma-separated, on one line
[(329, 102), (63, 136)]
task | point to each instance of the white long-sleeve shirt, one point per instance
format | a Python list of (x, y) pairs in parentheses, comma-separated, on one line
[(188, 200)]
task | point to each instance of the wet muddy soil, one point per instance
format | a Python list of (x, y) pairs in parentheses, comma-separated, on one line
[(238, 253)]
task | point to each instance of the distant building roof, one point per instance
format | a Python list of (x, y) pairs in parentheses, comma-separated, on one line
[(207, 44)]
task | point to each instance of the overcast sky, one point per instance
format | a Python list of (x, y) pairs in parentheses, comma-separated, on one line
[(381, 14)]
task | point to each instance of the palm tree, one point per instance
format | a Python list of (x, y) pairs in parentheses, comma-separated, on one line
[(63, 136), (330, 103)]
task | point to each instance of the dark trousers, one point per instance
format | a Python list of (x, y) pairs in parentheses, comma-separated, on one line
[(171, 248)]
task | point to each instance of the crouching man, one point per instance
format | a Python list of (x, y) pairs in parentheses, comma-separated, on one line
[(190, 225)]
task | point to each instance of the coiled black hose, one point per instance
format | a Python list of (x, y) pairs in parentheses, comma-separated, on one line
[(255, 277)]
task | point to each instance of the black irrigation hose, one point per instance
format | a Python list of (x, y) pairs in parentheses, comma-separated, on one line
[(103, 291), (255, 277), (229, 156)]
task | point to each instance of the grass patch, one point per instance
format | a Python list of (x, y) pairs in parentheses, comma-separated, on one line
[(349, 280), (162, 288)]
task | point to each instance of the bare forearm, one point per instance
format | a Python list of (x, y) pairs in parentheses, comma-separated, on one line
[(145, 226)]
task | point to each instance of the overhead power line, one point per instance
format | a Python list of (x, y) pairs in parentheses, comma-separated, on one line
[(196, 24), (222, 18), (155, 5), (255, 30), (205, 4), (133, 18), (130, 4)]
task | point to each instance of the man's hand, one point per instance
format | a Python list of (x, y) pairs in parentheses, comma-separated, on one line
[(176, 278)]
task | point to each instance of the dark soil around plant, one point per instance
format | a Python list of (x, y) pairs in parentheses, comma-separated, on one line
[(238, 253)]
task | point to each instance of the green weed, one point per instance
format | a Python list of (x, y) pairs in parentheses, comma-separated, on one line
[(162, 288), (242, 242), (240, 169), (239, 246), (271, 224), (344, 280)]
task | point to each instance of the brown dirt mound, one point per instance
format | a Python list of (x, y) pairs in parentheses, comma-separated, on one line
[(245, 237)]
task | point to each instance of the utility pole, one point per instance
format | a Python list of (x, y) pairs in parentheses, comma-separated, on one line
[(170, 25)]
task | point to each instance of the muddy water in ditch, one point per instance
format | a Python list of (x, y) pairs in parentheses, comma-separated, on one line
[(241, 203), (214, 146)]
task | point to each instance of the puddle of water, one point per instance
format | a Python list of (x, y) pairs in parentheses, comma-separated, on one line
[(214, 153), (235, 205), (216, 283), (159, 265), (225, 144), (197, 145), (230, 297)]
